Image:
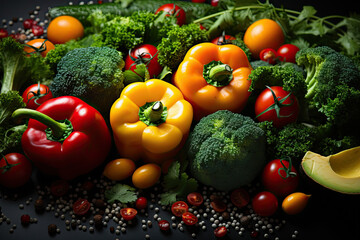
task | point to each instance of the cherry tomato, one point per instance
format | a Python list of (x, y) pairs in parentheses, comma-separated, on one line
[(164, 225), (128, 213), (223, 39), (179, 208), (146, 175), (240, 197), (287, 53), (265, 204), (189, 218), (37, 30), (146, 54), (40, 45), (268, 55), (119, 169), (264, 33), (220, 231), (15, 170), (64, 28), (280, 178), (28, 23), (81, 207), (218, 205), (35, 95), (173, 9), (273, 98), (195, 198), (3, 33), (141, 203), (59, 188), (214, 3), (295, 203)]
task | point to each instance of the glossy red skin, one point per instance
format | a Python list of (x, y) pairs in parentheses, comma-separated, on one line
[(169, 7), (29, 93), (220, 231), (195, 198), (265, 204), (141, 203), (189, 218), (18, 175), (274, 183), (268, 55), (128, 213), (265, 99), (287, 53), (214, 3), (179, 207), (81, 207), (153, 66), (82, 151)]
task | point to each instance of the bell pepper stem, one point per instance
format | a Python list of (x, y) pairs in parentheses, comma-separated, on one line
[(153, 112), (59, 130), (217, 73)]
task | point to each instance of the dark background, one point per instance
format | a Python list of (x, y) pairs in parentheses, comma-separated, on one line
[(328, 216)]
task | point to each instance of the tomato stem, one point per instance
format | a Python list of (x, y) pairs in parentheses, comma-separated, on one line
[(287, 170)]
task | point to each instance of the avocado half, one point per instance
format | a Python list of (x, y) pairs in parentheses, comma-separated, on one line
[(339, 172)]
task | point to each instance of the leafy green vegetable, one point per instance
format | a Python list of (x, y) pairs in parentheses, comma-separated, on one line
[(176, 184), (122, 193)]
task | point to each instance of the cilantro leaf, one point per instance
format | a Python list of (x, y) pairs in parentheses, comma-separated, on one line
[(122, 193)]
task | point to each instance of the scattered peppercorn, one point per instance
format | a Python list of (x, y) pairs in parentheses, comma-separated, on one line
[(39, 205)]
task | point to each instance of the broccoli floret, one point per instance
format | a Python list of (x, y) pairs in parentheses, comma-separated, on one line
[(333, 86), (173, 48), (276, 75), (259, 63), (10, 132), (93, 74), (226, 150), (54, 56), (97, 20), (19, 68)]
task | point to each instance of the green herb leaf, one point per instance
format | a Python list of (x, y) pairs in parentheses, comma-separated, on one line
[(122, 193)]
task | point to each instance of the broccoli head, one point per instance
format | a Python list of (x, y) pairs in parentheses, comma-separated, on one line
[(333, 86), (93, 74), (226, 150)]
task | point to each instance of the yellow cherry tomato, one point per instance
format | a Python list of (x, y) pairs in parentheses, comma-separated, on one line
[(146, 175), (119, 169), (295, 203), (264, 33), (64, 28), (40, 45)]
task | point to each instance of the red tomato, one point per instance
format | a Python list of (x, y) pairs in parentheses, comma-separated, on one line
[(59, 188), (39, 45), (287, 52), (265, 204), (214, 3), (141, 203), (146, 54), (195, 198), (240, 197), (274, 98), (15, 170), (179, 207), (173, 9), (81, 207), (279, 179), (223, 39), (37, 30), (128, 213), (164, 225), (28, 23), (35, 95), (268, 55), (218, 205), (189, 218), (220, 231), (3, 33)]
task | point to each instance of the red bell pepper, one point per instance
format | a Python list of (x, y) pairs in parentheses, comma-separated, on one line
[(65, 137)]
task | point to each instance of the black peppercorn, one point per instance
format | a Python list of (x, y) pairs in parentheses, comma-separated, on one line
[(52, 229), (39, 205), (98, 221)]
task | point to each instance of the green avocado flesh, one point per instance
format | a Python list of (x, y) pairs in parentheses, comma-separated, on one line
[(339, 172)]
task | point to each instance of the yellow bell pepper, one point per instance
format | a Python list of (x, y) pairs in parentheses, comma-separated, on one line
[(214, 77), (150, 121)]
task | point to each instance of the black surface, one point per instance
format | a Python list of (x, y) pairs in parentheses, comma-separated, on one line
[(328, 216)]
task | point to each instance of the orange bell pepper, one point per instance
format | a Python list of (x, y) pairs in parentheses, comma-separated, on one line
[(150, 121), (214, 77)]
